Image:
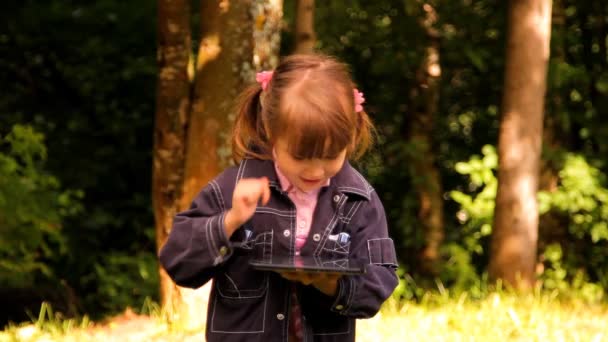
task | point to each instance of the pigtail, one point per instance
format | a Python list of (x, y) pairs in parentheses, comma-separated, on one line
[(365, 135), (249, 135)]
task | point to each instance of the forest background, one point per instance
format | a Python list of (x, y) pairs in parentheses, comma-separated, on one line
[(82, 97)]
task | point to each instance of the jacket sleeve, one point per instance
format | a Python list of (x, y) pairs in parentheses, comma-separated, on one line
[(197, 243), (361, 296)]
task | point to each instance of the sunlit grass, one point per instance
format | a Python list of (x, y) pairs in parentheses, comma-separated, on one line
[(50, 327), (497, 317)]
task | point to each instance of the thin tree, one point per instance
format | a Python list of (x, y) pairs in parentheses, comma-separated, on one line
[(515, 232), (172, 112), (305, 26), (555, 136), (427, 181), (268, 16)]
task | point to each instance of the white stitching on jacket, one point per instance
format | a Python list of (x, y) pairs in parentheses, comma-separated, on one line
[(330, 225)]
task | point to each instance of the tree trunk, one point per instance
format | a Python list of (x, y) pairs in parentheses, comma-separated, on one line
[(194, 119), (428, 180), (515, 235), (172, 108), (226, 62), (224, 56), (223, 67), (268, 17), (305, 26)]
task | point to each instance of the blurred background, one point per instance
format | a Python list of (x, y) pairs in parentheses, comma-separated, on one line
[(113, 114)]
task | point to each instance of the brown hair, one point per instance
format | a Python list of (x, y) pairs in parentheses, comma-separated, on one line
[(310, 102)]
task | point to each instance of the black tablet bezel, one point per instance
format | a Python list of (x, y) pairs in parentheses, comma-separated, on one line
[(310, 264)]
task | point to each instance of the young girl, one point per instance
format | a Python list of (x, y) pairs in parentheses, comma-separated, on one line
[(293, 192)]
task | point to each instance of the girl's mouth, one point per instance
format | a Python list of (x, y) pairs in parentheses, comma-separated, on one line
[(310, 181)]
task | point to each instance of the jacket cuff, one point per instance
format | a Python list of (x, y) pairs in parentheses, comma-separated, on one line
[(344, 297), (214, 233)]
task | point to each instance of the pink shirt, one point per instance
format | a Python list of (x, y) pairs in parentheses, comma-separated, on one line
[(305, 203)]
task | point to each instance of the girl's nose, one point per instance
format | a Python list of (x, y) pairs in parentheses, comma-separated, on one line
[(315, 169)]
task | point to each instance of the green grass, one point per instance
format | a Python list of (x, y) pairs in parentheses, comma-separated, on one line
[(497, 317)]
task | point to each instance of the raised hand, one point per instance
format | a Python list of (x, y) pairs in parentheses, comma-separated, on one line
[(248, 193)]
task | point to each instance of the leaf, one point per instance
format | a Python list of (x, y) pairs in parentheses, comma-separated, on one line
[(463, 168), (476, 59)]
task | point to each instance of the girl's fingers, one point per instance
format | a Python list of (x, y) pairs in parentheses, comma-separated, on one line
[(289, 275), (262, 190), (253, 191), (249, 199), (305, 278), (265, 191)]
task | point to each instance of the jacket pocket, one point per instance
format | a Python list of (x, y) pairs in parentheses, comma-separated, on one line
[(382, 252), (240, 291), (329, 323), (239, 312), (337, 246), (239, 280), (239, 299)]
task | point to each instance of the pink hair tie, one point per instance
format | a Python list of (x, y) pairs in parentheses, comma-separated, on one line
[(263, 78), (359, 99)]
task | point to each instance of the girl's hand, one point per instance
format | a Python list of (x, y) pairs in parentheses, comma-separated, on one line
[(324, 282), (247, 194)]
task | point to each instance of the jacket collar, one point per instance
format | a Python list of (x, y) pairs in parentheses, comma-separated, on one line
[(347, 180)]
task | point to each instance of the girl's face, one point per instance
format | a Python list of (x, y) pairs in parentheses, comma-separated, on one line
[(306, 174)]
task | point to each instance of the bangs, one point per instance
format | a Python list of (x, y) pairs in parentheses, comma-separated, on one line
[(312, 132)]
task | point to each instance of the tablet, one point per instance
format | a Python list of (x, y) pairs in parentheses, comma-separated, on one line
[(279, 263)]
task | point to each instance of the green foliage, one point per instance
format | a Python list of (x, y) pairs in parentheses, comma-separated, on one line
[(123, 279), (477, 205), (581, 200), (555, 276), (55, 324), (407, 289), (83, 74), (32, 207), (458, 271), (581, 196), (567, 280)]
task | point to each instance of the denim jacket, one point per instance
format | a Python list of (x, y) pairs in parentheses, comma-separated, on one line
[(251, 305)]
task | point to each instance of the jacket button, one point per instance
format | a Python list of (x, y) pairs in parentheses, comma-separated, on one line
[(336, 198), (280, 317), (316, 237), (223, 250), (339, 307), (286, 233)]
